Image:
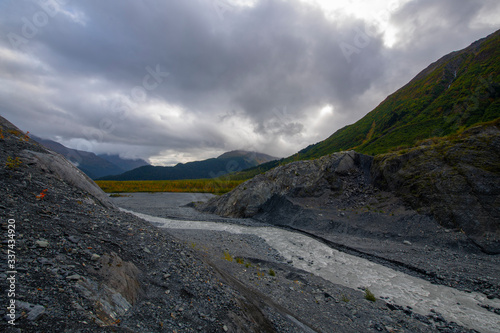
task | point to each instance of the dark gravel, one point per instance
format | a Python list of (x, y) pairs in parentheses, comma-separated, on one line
[(247, 261)]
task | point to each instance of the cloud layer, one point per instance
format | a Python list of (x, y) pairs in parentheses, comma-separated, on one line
[(182, 80)]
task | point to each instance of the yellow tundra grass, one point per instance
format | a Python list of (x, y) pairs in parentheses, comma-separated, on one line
[(216, 186)]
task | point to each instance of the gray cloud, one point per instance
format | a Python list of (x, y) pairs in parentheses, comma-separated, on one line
[(179, 79)]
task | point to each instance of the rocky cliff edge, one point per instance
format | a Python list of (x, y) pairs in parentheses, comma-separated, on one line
[(455, 181)]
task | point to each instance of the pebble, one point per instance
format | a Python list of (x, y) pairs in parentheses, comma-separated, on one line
[(42, 243), (74, 277), (73, 239)]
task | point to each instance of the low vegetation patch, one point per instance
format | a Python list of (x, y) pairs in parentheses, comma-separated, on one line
[(240, 260), (369, 295), (13, 163), (228, 256), (215, 186)]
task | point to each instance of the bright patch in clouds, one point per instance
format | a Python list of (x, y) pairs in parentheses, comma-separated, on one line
[(327, 110), (376, 13)]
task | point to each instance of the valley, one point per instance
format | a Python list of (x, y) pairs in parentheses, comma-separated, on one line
[(391, 224)]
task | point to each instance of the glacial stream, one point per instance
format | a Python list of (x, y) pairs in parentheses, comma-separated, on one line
[(350, 271)]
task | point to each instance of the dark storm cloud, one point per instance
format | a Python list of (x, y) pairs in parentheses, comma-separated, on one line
[(184, 75)]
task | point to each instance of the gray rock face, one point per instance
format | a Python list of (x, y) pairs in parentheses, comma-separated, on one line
[(299, 179), (457, 181), (120, 275), (57, 165), (116, 291)]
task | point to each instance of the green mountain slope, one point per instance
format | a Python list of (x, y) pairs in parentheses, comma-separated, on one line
[(211, 168), (457, 91)]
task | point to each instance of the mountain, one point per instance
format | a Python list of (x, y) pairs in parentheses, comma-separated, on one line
[(91, 164), (214, 167), (454, 93), (457, 91), (123, 163)]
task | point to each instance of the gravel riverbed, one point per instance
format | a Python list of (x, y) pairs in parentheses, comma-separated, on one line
[(253, 265)]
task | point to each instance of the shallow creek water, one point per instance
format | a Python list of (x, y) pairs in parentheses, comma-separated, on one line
[(350, 271)]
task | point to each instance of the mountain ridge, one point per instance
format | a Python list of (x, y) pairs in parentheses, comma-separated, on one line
[(91, 164), (450, 94), (229, 162), (457, 91)]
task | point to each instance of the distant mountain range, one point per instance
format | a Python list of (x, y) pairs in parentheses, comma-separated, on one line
[(454, 93), (95, 166), (214, 167)]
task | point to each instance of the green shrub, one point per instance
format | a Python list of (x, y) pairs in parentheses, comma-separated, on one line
[(369, 295)]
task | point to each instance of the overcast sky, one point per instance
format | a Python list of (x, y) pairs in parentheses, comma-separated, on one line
[(180, 80)]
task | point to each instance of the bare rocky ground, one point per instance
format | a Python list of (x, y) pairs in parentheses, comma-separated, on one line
[(376, 225), (81, 265), (247, 262)]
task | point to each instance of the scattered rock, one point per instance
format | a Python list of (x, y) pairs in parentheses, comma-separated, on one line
[(42, 243), (74, 277), (34, 312)]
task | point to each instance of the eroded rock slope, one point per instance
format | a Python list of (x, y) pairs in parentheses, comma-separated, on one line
[(455, 181)]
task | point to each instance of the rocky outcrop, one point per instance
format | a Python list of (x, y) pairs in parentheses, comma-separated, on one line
[(455, 180), (55, 164), (116, 290), (299, 179), (30, 153)]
